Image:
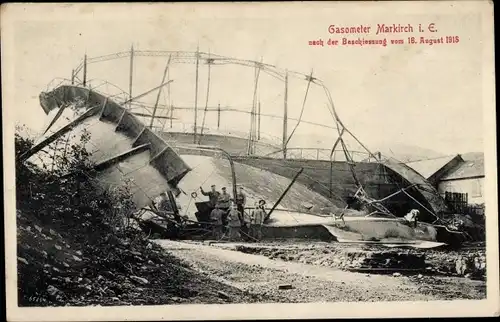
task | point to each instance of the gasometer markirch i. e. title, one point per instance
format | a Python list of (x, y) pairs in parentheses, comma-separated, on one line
[(383, 35)]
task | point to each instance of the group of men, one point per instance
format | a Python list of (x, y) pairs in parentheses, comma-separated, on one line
[(230, 212)]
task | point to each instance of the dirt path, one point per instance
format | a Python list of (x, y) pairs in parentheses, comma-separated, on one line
[(260, 275)]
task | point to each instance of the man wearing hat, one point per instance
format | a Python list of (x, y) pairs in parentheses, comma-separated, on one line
[(213, 196), (257, 220), (224, 203)]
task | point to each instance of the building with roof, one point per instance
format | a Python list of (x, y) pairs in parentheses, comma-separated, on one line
[(458, 174), (435, 168), (467, 177)]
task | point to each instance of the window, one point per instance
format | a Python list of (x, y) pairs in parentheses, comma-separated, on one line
[(476, 188)]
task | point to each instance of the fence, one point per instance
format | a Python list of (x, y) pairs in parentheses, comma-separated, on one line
[(458, 202)]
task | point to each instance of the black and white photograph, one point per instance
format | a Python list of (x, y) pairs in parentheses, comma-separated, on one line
[(193, 156)]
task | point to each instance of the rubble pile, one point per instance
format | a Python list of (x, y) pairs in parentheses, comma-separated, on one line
[(344, 257), (464, 263), (467, 263)]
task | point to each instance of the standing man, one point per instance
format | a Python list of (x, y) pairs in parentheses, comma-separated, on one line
[(241, 200), (213, 195), (234, 223), (257, 220), (216, 218), (224, 203)]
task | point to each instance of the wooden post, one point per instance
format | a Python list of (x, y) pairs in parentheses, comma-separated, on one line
[(85, 70), (285, 117), (317, 154), (196, 95), (72, 77), (131, 73)]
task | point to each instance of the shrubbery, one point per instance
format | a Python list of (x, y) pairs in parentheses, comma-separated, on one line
[(65, 188)]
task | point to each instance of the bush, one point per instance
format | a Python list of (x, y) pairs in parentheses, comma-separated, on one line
[(61, 186)]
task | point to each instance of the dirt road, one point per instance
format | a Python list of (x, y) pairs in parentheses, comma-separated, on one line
[(257, 274)]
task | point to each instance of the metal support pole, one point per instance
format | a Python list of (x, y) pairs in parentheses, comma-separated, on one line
[(209, 62), (159, 92), (171, 114), (283, 194), (85, 70), (218, 116), (251, 137), (285, 117), (196, 94), (258, 128), (331, 178), (131, 73)]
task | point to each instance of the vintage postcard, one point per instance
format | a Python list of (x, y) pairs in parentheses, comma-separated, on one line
[(256, 160)]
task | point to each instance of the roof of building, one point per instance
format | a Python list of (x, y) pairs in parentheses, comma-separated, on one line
[(472, 167), (428, 167)]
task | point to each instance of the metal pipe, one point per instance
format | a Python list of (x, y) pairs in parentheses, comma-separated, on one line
[(283, 194)]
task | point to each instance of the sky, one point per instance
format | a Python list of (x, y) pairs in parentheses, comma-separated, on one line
[(417, 95)]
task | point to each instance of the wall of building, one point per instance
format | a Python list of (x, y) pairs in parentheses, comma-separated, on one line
[(474, 187)]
